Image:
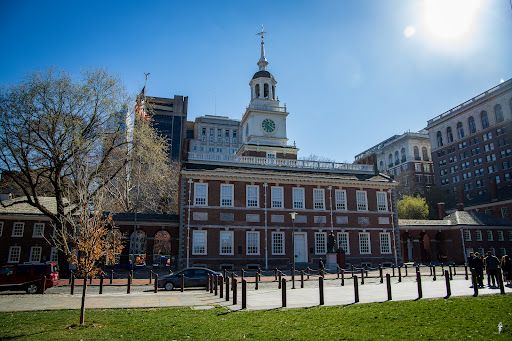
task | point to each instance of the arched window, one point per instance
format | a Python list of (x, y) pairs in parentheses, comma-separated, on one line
[(485, 120), (257, 90), (381, 165), (460, 130), (273, 92), (416, 153), (397, 158), (499, 113), (472, 125), (449, 135), (424, 152), (390, 157), (265, 90), (162, 244), (402, 152), (439, 138)]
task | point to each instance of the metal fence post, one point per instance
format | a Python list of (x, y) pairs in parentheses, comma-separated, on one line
[(356, 289), (128, 287), (235, 288), (156, 283), (101, 284), (388, 285), (283, 292), (244, 294), (321, 288), (447, 280), (418, 280)]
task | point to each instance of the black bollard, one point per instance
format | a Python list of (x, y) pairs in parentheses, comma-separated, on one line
[(406, 270), (447, 280), (257, 279), (283, 292), (43, 286), (150, 276), (430, 267), (342, 277), (302, 278), (362, 276), (381, 274), (221, 286), (232, 279), (211, 284), (451, 272), (216, 284), (466, 271), (418, 280), (399, 274), (388, 285), (72, 283), (128, 286), (227, 288), (356, 290), (182, 283), (321, 288), (111, 276), (156, 283), (500, 282), (70, 276), (101, 284), (435, 278), (235, 288), (244, 294)]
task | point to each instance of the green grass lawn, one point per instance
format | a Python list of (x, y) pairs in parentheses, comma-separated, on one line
[(449, 319)]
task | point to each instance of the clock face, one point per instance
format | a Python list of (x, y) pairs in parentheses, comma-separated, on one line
[(268, 125)]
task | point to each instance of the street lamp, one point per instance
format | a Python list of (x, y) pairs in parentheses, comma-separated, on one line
[(293, 214)]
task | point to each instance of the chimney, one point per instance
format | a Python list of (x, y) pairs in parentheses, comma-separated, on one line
[(493, 189), (441, 210), (460, 206), (460, 195)]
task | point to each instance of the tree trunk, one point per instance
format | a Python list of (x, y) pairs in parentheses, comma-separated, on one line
[(82, 308)]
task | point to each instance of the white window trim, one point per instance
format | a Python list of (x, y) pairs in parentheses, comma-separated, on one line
[(14, 229), (369, 244), (301, 190), (479, 236), (247, 243), (389, 242), (32, 250), (501, 236), (278, 188), (196, 184), (344, 193), (489, 234), (467, 235), (232, 243), (283, 245), (54, 252), (347, 250), (11, 249), (319, 190), (365, 201), (34, 235), (385, 195), (232, 195), (324, 234), (257, 196), (205, 242)]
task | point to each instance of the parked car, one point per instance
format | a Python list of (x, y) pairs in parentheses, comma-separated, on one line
[(28, 277), (194, 277)]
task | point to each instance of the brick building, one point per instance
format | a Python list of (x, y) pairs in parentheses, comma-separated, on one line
[(454, 237), (471, 151)]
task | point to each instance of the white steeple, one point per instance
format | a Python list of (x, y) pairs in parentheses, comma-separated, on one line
[(262, 63)]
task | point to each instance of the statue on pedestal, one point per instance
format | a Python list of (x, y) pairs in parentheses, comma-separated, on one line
[(331, 243)]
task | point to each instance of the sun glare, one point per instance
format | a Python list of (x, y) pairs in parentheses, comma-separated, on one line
[(450, 20)]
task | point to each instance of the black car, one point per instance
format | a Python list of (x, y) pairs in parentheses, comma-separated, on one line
[(194, 277)]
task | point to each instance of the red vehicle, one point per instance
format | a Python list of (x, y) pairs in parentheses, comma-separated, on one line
[(28, 277)]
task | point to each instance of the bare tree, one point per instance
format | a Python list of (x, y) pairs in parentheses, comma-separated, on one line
[(314, 157), (58, 133), (149, 182)]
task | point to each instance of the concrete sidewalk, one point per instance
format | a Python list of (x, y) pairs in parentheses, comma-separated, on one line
[(265, 298)]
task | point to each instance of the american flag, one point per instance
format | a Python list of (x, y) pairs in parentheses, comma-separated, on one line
[(140, 105)]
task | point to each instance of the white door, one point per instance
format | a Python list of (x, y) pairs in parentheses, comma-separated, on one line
[(300, 248)]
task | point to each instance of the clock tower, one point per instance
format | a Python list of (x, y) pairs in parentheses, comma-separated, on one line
[(264, 122)]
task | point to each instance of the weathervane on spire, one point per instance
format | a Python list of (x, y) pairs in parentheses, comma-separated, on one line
[(261, 33)]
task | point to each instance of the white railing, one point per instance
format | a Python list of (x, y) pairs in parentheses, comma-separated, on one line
[(263, 161), (267, 108)]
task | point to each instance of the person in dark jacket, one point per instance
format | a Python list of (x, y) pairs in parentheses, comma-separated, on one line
[(478, 266), (492, 263), (506, 267)]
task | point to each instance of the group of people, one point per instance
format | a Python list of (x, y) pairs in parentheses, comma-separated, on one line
[(491, 264)]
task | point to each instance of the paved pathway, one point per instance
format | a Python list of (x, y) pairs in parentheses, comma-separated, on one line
[(268, 297)]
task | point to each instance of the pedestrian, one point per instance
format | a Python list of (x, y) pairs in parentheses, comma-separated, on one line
[(492, 263), (506, 268), (478, 265)]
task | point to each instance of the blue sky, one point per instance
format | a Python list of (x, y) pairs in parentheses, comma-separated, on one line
[(352, 73)]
